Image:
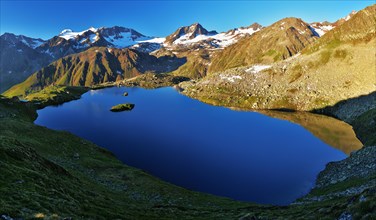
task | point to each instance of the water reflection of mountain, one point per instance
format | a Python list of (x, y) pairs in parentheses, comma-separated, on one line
[(333, 132)]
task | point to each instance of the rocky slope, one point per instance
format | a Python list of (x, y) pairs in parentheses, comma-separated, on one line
[(305, 81), (95, 66), (278, 41)]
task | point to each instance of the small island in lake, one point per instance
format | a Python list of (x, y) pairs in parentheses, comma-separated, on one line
[(122, 107)]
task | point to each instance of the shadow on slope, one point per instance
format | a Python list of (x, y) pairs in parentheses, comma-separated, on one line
[(360, 112)]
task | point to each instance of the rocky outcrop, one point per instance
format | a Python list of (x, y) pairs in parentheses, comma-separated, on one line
[(360, 164)]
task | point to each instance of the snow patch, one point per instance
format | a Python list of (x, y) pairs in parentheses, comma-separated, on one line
[(230, 78), (33, 44), (257, 68), (93, 38), (49, 53), (321, 30), (125, 40), (157, 40)]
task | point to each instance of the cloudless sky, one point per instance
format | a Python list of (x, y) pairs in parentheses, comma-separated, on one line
[(46, 19)]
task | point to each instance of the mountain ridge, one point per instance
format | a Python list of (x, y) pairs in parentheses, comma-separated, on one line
[(95, 66), (200, 48)]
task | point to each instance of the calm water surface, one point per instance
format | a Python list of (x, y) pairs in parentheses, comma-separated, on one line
[(242, 155)]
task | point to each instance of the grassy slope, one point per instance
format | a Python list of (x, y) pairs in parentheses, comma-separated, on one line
[(51, 172), (94, 66)]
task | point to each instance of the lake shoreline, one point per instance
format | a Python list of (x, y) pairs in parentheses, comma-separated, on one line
[(295, 205), (281, 112)]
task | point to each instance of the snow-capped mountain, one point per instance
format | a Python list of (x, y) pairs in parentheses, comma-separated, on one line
[(193, 41), (69, 41), (21, 55), (196, 34), (119, 37), (28, 41), (320, 28)]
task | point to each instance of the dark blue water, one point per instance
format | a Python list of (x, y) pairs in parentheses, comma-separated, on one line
[(241, 155)]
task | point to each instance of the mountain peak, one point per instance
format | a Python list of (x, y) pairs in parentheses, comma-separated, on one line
[(65, 31), (68, 34), (189, 32), (93, 29), (350, 15), (255, 26)]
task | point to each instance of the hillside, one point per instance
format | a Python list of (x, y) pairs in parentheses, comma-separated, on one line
[(19, 58), (95, 66), (338, 66), (276, 42), (198, 46)]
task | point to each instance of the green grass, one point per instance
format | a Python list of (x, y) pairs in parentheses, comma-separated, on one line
[(342, 186), (52, 172), (54, 95)]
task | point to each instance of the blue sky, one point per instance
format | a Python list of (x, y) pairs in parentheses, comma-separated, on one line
[(45, 19)]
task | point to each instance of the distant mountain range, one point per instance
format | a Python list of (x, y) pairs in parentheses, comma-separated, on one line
[(203, 51)]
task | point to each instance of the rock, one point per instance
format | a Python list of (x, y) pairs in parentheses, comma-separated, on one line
[(248, 217), (362, 198), (19, 181), (360, 164), (76, 156), (6, 217), (345, 216), (122, 107)]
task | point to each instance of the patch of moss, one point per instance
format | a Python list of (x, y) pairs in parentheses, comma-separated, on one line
[(324, 57), (340, 53), (297, 72)]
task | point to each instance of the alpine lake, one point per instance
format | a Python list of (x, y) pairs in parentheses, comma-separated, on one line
[(267, 157)]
